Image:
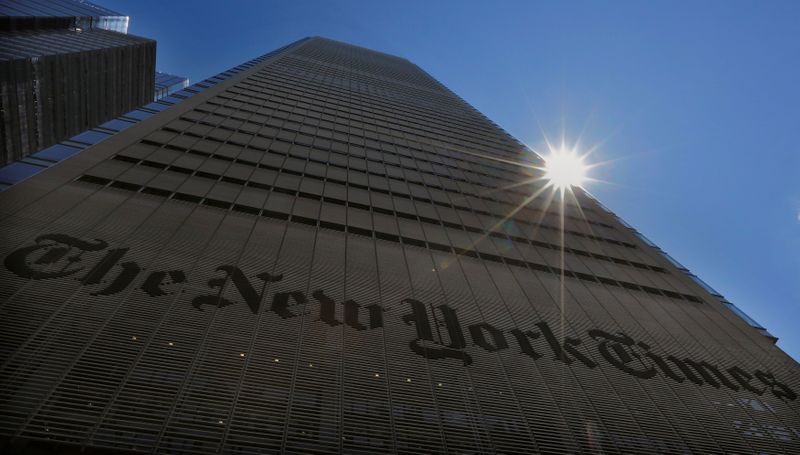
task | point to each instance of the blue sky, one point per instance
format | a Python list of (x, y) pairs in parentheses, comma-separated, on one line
[(696, 104)]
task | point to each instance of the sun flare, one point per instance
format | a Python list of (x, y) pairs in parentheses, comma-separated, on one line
[(565, 169)]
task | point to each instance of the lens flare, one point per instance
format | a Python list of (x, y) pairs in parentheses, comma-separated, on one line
[(564, 169)]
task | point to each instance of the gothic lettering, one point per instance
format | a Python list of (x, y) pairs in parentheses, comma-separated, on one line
[(664, 366), (477, 331), (125, 277), (327, 313), (351, 315), (327, 308), (617, 350), (439, 332), (562, 350), (703, 373), (778, 389), (54, 248), (99, 271), (419, 318), (744, 378), (280, 303), (525, 344), (375, 316), (96, 274), (457, 340), (243, 285), (153, 283)]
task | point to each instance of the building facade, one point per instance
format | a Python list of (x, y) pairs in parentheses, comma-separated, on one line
[(69, 69), (331, 252), (38, 14), (167, 84)]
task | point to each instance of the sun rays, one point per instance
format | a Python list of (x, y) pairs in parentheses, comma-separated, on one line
[(555, 177), (564, 169)]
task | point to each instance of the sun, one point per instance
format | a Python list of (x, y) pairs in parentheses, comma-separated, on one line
[(564, 169)]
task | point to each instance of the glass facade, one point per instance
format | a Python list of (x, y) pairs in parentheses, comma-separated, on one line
[(167, 84), (68, 66), (76, 14), (59, 82), (330, 252)]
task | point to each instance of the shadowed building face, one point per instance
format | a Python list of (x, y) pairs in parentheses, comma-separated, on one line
[(67, 66)]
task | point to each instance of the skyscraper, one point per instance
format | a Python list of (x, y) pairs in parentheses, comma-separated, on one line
[(332, 252), (67, 66), (63, 14)]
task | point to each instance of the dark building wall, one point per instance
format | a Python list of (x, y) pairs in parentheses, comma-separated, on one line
[(312, 257), (58, 83)]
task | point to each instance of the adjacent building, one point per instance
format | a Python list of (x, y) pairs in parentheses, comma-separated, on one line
[(328, 251), (167, 84), (67, 66), (78, 14)]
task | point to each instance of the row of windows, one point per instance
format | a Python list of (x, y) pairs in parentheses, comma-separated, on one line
[(274, 112), (336, 191), (397, 168), (380, 65), (412, 121), (464, 120), (343, 151), (409, 122), (337, 120), (365, 84), (343, 112), (316, 210), (316, 167)]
